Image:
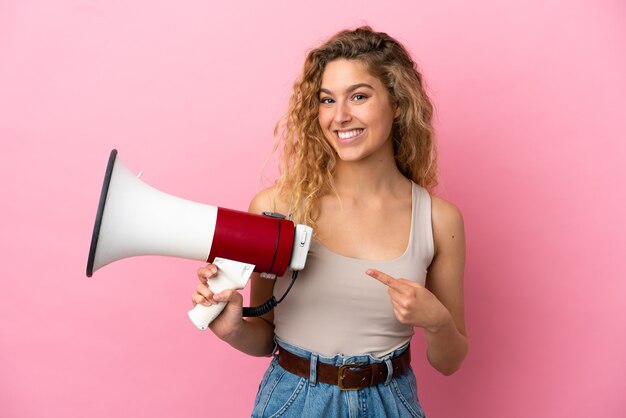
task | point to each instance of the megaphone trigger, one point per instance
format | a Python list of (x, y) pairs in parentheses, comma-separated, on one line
[(231, 275)]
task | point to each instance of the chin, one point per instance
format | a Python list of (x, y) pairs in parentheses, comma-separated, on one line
[(350, 156)]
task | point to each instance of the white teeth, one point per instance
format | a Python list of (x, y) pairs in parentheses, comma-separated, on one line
[(349, 134)]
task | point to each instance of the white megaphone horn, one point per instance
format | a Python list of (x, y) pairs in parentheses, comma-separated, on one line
[(135, 219)]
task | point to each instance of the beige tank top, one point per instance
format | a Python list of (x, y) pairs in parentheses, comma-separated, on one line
[(335, 308)]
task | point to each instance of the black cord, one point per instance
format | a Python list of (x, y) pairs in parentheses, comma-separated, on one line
[(271, 303)]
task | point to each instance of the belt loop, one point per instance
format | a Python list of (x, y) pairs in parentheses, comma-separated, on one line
[(313, 370), (389, 371)]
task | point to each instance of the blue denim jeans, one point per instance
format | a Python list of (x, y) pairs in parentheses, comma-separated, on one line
[(283, 394)]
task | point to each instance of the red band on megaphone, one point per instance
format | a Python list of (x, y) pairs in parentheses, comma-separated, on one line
[(263, 241)]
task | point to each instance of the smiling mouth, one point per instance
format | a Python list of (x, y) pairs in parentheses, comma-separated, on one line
[(345, 135)]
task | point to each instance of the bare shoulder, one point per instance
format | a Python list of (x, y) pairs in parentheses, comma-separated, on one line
[(447, 222), (268, 200), (444, 212)]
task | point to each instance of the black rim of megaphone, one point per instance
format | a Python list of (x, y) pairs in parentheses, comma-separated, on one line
[(101, 204)]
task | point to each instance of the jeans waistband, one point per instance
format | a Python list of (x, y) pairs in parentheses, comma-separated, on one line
[(349, 376)]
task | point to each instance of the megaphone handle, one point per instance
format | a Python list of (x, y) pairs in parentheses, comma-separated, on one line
[(231, 275), (202, 315)]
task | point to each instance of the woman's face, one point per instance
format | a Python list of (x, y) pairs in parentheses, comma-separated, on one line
[(355, 111)]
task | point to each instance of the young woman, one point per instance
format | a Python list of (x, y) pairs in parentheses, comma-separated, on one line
[(359, 166)]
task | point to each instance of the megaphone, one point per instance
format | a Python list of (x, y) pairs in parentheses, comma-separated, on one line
[(135, 219)]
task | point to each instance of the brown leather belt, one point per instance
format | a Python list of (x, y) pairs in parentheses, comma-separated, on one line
[(348, 376)]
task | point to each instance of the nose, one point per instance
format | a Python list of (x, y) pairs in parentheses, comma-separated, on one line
[(342, 113)]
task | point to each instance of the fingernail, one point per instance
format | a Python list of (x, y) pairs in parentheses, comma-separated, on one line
[(218, 297), (207, 303)]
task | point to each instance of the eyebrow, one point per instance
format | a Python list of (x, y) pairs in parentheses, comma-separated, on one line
[(349, 89)]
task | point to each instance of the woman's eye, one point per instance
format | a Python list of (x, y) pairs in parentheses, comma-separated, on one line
[(358, 97), (326, 100)]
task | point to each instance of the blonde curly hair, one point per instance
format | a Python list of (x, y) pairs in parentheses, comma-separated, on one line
[(307, 161)]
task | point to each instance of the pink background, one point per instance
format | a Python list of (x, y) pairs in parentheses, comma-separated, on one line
[(531, 125)]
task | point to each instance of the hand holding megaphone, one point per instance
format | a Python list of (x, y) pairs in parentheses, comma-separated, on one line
[(135, 219), (231, 275)]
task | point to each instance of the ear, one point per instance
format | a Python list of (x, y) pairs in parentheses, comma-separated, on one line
[(396, 112)]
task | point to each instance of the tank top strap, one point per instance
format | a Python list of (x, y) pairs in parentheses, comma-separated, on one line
[(421, 239)]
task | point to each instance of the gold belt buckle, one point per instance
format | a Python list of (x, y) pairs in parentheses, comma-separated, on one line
[(343, 367)]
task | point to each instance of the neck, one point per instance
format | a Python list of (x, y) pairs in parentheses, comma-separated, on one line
[(377, 174)]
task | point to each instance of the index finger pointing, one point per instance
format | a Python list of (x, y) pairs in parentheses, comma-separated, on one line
[(384, 278)]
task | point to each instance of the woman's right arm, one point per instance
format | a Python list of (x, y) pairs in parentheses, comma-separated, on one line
[(253, 336)]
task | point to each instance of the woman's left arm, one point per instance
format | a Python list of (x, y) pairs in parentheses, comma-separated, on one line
[(438, 306), (447, 341)]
